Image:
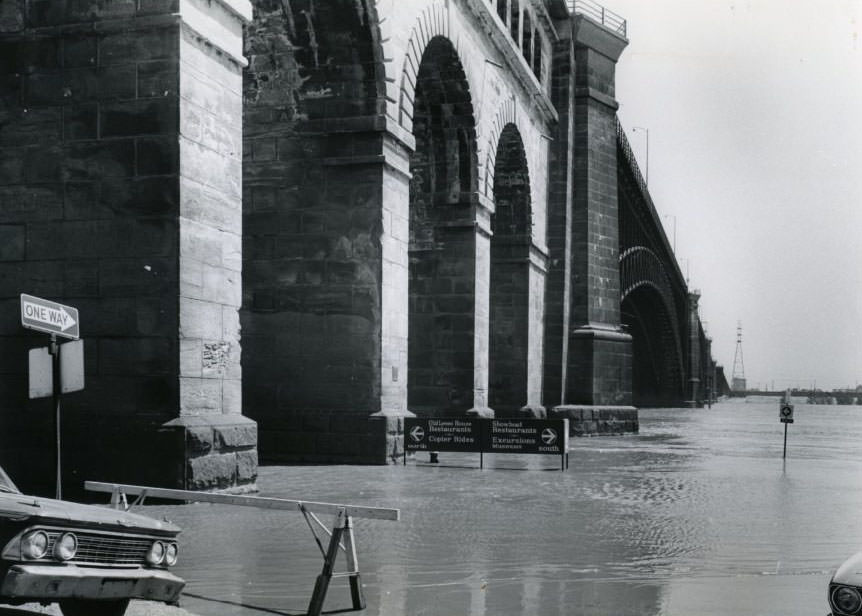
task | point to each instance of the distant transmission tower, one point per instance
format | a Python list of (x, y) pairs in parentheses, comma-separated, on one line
[(738, 378)]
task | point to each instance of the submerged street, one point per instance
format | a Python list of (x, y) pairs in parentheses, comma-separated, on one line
[(696, 514)]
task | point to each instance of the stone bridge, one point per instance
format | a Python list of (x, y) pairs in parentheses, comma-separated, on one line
[(388, 207)]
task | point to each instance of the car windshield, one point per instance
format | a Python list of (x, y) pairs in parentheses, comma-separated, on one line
[(6, 484)]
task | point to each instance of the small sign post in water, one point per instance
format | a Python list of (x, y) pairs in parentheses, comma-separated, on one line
[(785, 414)]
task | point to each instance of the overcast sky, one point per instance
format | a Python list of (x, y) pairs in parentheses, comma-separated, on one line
[(754, 111)]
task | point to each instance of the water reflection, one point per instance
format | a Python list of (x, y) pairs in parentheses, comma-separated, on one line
[(696, 514)]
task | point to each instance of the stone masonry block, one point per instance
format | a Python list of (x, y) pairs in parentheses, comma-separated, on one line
[(12, 242), (349, 423), (316, 422), (139, 117), (191, 350), (236, 436), (337, 445), (200, 395), (246, 466), (212, 471), (199, 440), (155, 44), (200, 319), (231, 396)]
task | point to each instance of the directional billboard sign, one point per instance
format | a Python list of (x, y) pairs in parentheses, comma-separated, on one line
[(547, 436), (49, 317), (475, 434), (455, 434)]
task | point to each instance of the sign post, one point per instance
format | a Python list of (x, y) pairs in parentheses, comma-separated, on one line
[(49, 317), (785, 414)]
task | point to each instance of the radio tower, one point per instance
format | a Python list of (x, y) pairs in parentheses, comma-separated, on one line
[(738, 378)]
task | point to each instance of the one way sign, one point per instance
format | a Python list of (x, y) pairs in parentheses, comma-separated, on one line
[(49, 317)]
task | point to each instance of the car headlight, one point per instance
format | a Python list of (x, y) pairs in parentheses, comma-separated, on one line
[(156, 553), (846, 599), (34, 545), (171, 554), (65, 547)]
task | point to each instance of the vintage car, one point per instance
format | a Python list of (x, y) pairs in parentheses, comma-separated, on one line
[(91, 560), (845, 588)]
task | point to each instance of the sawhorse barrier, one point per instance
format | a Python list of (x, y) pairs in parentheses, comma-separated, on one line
[(340, 536)]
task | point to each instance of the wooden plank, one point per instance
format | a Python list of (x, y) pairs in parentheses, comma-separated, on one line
[(375, 513)]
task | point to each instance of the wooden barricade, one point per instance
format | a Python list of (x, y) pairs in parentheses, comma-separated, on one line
[(341, 535)]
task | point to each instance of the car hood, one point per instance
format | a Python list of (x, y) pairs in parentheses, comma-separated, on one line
[(850, 571), (46, 510)]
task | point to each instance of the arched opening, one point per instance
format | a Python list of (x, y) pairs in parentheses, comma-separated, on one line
[(656, 361), (311, 325), (511, 226), (442, 245)]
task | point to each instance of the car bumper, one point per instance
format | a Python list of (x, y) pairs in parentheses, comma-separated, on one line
[(45, 582)]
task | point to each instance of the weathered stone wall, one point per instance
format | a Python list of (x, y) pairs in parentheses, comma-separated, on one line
[(599, 363), (694, 351), (124, 194), (220, 443), (328, 110), (89, 191), (560, 171), (313, 186), (502, 90), (91, 162)]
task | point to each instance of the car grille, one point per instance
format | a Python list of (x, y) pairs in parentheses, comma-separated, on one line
[(115, 550)]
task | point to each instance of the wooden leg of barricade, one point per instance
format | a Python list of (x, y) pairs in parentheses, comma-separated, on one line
[(356, 593), (315, 606)]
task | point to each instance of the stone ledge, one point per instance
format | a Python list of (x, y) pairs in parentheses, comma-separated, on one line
[(348, 438), (601, 332), (220, 451), (586, 420), (595, 36), (222, 27), (481, 411)]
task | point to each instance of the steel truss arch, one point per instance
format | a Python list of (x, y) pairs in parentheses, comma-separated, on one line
[(642, 267)]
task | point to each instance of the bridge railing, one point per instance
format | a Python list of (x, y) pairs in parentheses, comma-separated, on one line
[(600, 14), (629, 159)]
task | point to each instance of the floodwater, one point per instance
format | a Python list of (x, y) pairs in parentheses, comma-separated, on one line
[(697, 514)]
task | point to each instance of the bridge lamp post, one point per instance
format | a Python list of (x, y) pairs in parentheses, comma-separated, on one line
[(646, 131)]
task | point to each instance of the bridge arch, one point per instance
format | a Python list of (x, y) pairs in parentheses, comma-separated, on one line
[(650, 313), (315, 86), (442, 237), (498, 100), (511, 226)]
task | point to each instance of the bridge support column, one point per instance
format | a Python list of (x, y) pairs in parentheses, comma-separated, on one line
[(120, 165), (559, 266), (693, 351), (599, 353), (218, 443)]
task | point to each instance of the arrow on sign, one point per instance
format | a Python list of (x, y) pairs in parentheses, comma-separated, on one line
[(52, 317), (417, 433), (549, 436)]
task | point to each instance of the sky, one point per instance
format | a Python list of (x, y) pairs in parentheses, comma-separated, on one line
[(754, 113)]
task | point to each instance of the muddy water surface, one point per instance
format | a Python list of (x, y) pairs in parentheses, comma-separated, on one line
[(697, 514)]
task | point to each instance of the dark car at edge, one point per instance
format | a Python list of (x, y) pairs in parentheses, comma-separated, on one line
[(90, 560)]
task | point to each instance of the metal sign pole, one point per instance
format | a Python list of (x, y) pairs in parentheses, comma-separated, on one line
[(54, 349), (785, 441)]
